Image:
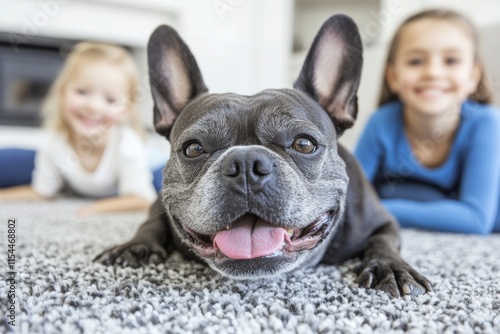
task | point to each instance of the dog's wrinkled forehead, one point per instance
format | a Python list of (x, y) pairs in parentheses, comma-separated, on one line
[(245, 120)]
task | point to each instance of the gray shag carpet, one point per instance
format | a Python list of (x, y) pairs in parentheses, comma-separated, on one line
[(60, 290)]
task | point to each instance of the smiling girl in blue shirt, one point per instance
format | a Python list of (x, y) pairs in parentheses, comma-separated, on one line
[(431, 149)]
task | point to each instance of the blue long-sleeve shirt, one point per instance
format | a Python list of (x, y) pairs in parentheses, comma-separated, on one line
[(461, 195)]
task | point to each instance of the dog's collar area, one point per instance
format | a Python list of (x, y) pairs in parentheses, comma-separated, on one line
[(288, 240)]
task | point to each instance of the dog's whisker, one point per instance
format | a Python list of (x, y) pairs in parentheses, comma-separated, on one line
[(159, 214)]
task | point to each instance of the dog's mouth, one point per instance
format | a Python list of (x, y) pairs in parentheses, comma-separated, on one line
[(251, 237)]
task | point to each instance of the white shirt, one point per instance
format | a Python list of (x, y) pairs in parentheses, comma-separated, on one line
[(122, 170)]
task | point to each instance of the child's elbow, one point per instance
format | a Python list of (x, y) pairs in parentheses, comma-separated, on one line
[(484, 230), (482, 226)]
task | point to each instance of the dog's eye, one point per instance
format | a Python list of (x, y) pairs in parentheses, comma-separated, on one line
[(193, 150), (303, 145)]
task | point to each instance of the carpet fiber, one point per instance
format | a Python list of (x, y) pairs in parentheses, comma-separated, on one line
[(59, 289)]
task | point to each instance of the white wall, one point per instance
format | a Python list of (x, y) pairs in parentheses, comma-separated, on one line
[(241, 46), (124, 22)]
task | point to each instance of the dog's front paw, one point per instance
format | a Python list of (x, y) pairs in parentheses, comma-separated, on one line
[(395, 277), (133, 254)]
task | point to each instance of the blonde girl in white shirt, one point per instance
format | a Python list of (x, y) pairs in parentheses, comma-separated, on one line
[(94, 143)]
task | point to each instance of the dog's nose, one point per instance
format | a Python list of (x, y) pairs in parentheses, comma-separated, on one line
[(246, 171)]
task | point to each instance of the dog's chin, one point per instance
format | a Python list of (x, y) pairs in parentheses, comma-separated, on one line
[(297, 248)]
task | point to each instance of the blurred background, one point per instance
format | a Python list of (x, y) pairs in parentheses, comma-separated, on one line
[(242, 46)]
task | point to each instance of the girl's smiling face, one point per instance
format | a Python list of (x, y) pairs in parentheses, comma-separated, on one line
[(95, 99), (434, 69)]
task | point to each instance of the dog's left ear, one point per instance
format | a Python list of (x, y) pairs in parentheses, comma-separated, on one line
[(332, 70), (174, 76)]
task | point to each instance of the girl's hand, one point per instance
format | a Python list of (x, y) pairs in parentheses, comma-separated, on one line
[(20, 193), (115, 204)]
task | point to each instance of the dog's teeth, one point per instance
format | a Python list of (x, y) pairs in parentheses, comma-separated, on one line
[(289, 231), (227, 227)]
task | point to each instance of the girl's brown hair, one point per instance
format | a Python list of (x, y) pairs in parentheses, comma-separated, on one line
[(82, 54), (483, 91)]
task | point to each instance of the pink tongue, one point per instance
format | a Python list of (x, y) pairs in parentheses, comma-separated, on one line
[(248, 239)]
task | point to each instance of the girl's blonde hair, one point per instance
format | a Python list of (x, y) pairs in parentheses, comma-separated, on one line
[(82, 54), (483, 91)]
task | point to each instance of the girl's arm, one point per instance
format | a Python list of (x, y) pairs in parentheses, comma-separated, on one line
[(445, 216), (116, 204), (476, 209), (20, 193), (369, 148), (47, 179)]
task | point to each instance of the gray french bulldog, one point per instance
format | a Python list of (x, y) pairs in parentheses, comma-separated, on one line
[(258, 186)]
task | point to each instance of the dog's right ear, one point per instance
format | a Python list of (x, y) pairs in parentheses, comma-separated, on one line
[(174, 76)]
